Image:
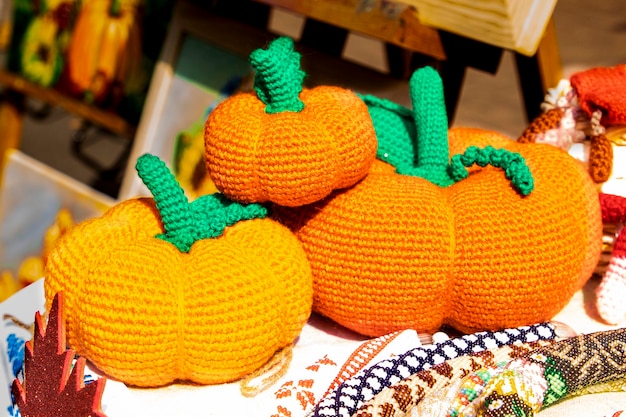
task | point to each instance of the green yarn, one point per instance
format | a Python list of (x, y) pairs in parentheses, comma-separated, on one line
[(186, 223), (415, 141), (513, 164), (278, 78), (395, 131), (431, 122)]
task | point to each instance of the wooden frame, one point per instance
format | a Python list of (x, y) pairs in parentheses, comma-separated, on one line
[(188, 20)]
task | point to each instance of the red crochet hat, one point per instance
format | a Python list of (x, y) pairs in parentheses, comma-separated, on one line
[(604, 89)]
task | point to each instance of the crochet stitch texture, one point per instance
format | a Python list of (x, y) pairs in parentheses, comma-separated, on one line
[(285, 143), (470, 229), (602, 88), (397, 251), (205, 291)]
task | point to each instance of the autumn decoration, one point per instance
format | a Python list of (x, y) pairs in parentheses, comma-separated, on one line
[(53, 382), (284, 143), (104, 58), (468, 240), (160, 290)]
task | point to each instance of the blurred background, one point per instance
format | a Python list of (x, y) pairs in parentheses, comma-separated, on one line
[(589, 34)]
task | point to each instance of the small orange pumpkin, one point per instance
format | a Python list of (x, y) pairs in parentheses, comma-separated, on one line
[(287, 144)]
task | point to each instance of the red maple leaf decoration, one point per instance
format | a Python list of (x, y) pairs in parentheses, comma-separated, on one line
[(52, 388)]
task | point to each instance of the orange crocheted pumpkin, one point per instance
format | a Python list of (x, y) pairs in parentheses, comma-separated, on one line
[(163, 290), (501, 244), (287, 144)]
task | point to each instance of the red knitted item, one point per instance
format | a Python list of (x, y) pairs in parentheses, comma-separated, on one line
[(604, 89)]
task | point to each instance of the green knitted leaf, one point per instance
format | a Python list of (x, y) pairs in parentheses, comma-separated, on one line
[(395, 131), (278, 79), (415, 141), (186, 223)]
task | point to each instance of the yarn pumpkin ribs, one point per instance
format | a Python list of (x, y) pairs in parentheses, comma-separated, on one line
[(163, 289), (467, 240)]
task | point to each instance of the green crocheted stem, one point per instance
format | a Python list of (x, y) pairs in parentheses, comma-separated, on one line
[(431, 122), (170, 200), (513, 164), (186, 223), (278, 77)]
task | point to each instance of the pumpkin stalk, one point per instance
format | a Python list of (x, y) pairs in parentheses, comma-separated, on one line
[(431, 122), (278, 77), (170, 200), (186, 223)]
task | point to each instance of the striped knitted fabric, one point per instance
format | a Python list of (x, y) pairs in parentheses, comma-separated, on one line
[(611, 293), (604, 89), (351, 394), (399, 400)]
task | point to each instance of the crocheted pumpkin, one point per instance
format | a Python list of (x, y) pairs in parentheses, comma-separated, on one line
[(428, 242), (287, 144), (160, 290)]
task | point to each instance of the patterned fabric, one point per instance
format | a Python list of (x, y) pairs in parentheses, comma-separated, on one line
[(303, 388), (351, 394), (406, 396), (567, 366)]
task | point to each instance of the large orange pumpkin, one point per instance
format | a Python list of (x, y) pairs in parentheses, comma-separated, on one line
[(162, 290), (402, 251)]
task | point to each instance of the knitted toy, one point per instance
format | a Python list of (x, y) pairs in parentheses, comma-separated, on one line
[(611, 293), (287, 144), (439, 240), (160, 290), (591, 104)]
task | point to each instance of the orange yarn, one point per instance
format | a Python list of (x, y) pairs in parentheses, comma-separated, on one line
[(600, 158), (290, 158), (541, 124), (147, 314), (396, 252), (285, 143)]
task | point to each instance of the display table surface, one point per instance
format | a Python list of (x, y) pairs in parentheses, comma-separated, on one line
[(318, 354)]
